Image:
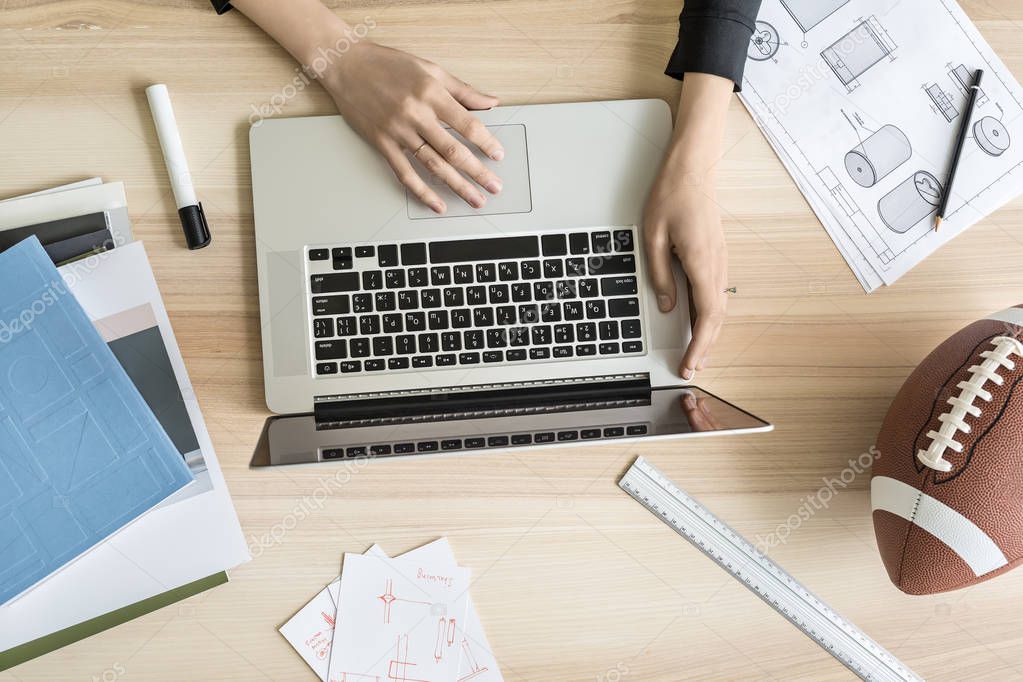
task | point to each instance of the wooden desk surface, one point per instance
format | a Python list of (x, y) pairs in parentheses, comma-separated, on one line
[(574, 581)]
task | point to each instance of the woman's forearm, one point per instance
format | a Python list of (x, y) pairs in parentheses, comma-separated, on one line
[(305, 28), (700, 124)]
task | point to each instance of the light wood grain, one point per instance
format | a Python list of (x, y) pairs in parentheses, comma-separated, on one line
[(573, 580)]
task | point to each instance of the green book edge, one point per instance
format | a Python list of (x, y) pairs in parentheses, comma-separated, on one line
[(44, 645)]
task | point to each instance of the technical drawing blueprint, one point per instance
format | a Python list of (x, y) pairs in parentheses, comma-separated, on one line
[(864, 110)]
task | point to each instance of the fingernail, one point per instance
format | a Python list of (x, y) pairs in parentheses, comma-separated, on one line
[(689, 401), (438, 207), (479, 201), (688, 374), (664, 303), (498, 155), (494, 186)]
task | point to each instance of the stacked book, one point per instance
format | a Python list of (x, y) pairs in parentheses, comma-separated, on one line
[(112, 499)]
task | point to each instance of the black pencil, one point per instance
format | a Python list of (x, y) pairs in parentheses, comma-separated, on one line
[(964, 131)]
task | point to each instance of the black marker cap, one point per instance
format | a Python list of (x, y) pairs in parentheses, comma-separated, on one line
[(193, 222)]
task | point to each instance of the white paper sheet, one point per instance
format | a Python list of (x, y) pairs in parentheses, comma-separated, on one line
[(310, 631), (174, 545), (863, 101)]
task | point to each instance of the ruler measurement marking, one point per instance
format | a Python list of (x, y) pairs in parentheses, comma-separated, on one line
[(730, 550)]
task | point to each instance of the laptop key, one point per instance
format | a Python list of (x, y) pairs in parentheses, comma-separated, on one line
[(440, 275), (332, 305), (553, 268), (351, 366), (530, 269), (404, 448), (415, 322), (521, 292), (573, 310), (493, 356), (608, 330), (437, 319), (544, 437), (474, 443), (476, 295), (450, 341), (383, 346), (364, 251), (613, 265), (632, 347), (429, 343), (405, 344), (585, 350), (422, 361), (377, 450), (623, 307), (468, 358), (579, 242), (461, 318), (563, 351), (359, 348), (335, 282), (372, 280), (505, 315), (566, 289), (564, 333), (575, 267), (529, 314), (617, 286), (323, 328), (515, 355), (543, 291), (589, 434), (324, 368), (600, 242), (586, 331), (394, 279), (631, 329), (483, 317), (387, 255), (446, 360), (430, 298), (319, 254), (418, 277), (397, 363), (473, 339), (622, 240), (463, 274), (362, 303), (539, 353), (550, 312), (451, 444), (413, 254), (392, 323), (518, 336), (485, 272), (498, 293), (595, 309), (369, 325), (541, 335), (496, 338), (408, 299), (587, 288), (507, 272), (609, 348), (375, 365), (454, 297), (384, 301), (553, 245)]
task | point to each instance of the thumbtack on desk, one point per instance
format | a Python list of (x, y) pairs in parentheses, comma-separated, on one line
[(193, 219)]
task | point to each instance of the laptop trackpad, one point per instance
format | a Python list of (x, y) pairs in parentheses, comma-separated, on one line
[(513, 171)]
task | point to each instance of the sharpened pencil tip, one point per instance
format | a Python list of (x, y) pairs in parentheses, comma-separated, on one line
[(937, 223)]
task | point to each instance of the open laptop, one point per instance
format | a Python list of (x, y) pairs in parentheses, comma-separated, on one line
[(390, 331)]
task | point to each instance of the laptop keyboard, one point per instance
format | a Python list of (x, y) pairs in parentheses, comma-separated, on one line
[(415, 306)]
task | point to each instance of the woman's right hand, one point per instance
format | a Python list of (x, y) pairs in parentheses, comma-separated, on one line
[(401, 104)]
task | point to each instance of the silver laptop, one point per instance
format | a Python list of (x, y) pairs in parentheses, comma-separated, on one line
[(390, 331)]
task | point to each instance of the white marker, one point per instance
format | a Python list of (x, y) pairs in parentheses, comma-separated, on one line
[(193, 220)]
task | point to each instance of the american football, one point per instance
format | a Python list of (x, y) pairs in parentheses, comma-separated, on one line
[(947, 487)]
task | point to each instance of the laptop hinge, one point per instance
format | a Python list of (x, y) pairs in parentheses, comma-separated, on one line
[(482, 400)]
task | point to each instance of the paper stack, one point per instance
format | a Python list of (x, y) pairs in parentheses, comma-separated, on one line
[(186, 543), (404, 618)]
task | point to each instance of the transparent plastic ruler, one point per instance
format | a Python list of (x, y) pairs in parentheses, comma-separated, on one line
[(732, 552)]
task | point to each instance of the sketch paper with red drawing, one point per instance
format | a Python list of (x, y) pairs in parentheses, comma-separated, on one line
[(311, 630), (397, 620)]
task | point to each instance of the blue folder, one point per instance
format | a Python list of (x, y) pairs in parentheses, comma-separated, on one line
[(81, 454)]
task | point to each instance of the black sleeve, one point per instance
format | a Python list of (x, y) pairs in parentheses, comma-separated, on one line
[(713, 37), (221, 5)]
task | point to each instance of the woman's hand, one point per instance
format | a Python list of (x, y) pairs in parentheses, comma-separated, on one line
[(400, 104), (682, 219)]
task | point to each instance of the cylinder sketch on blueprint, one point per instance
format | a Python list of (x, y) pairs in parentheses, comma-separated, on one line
[(858, 51), (991, 135), (872, 160), (917, 197)]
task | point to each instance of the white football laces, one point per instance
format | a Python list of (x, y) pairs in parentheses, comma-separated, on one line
[(953, 421)]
